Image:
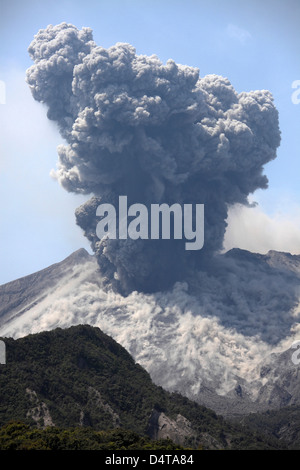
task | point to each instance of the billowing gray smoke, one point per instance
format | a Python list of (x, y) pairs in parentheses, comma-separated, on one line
[(155, 133)]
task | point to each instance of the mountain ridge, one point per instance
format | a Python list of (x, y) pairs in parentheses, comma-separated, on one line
[(11, 292), (80, 377), (163, 331)]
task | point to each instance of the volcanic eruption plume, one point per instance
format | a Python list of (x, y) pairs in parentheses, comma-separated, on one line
[(155, 133)]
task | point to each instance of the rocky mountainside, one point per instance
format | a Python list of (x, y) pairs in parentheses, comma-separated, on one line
[(80, 377), (282, 424), (20, 296), (223, 338)]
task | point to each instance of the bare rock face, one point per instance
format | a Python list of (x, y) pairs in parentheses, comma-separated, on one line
[(162, 427), (98, 402), (180, 431), (39, 411)]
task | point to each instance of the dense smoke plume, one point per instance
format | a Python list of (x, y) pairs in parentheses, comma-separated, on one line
[(155, 133), (162, 134)]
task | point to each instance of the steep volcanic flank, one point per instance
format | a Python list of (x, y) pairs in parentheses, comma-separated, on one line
[(214, 341)]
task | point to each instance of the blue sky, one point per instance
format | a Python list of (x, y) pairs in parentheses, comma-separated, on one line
[(255, 44)]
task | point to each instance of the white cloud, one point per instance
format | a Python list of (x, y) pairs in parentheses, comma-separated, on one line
[(251, 229), (240, 34)]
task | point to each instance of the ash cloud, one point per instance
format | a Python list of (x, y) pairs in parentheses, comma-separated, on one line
[(157, 133)]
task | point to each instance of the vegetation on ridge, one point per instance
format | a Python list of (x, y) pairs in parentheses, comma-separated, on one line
[(81, 378)]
